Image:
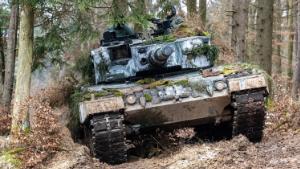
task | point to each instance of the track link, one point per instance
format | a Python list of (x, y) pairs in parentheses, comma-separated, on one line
[(249, 114), (107, 140)]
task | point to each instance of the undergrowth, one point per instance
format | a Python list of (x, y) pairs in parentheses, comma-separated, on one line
[(283, 112), (5, 121), (43, 139)]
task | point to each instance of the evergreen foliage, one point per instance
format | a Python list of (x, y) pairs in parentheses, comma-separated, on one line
[(4, 15)]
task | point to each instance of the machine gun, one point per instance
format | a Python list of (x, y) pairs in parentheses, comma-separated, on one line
[(164, 27)]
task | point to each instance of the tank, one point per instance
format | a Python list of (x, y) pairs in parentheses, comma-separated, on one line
[(165, 82)]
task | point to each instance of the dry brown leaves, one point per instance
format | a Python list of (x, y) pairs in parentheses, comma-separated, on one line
[(284, 113), (44, 139), (5, 121)]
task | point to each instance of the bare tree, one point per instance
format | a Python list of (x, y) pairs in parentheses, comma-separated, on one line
[(277, 56), (296, 76), (290, 37), (264, 30), (251, 31), (1, 60), (11, 54), (239, 28), (20, 119), (191, 7), (202, 11)]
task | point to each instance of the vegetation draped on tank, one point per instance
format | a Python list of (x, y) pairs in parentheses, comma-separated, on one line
[(160, 39), (209, 50), (84, 65)]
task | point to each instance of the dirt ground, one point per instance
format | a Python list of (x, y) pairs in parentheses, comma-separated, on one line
[(278, 152), (279, 149)]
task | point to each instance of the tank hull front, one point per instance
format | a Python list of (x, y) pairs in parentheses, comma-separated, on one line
[(188, 99), (188, 111)]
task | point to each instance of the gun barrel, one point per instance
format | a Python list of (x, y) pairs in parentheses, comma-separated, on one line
[(160, 56)]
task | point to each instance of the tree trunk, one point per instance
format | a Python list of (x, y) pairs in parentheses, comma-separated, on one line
[(252, 29), (140, 10), (1, 61), (191, 7), (296, 76), (277, 56), (263, 56), (290, 38), (11, 54), (119, 11), (202, 11), (20, 116), (239, 28)]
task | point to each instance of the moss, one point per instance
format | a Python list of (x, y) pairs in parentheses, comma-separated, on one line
[(10, 156), (145, 81), (157, 83), (88, 95), (105, 92), (27, 130), (183, 83), (233, 68), (161, 39), (74, 123), (148, 97), (269, 104), (211, 51), (80, 96), (114, 92), (160, 83)]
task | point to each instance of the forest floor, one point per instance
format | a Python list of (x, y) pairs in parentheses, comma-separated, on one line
[(279, 149), (277, 152), (180, 149)]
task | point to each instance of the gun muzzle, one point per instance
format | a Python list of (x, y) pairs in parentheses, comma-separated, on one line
[(160, 56)]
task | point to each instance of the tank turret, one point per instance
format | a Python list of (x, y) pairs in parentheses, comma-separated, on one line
[(123, 56), (131, 61)]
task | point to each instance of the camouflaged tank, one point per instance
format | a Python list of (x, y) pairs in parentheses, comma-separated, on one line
[(165, 82)]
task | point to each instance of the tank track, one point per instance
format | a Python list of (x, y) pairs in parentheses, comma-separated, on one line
[(249, 114), (107, 138)]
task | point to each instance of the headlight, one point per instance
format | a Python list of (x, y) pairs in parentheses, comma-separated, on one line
[(131, 99), (220, 85)]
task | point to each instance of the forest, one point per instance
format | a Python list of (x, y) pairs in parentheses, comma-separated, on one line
[(46, 71)]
